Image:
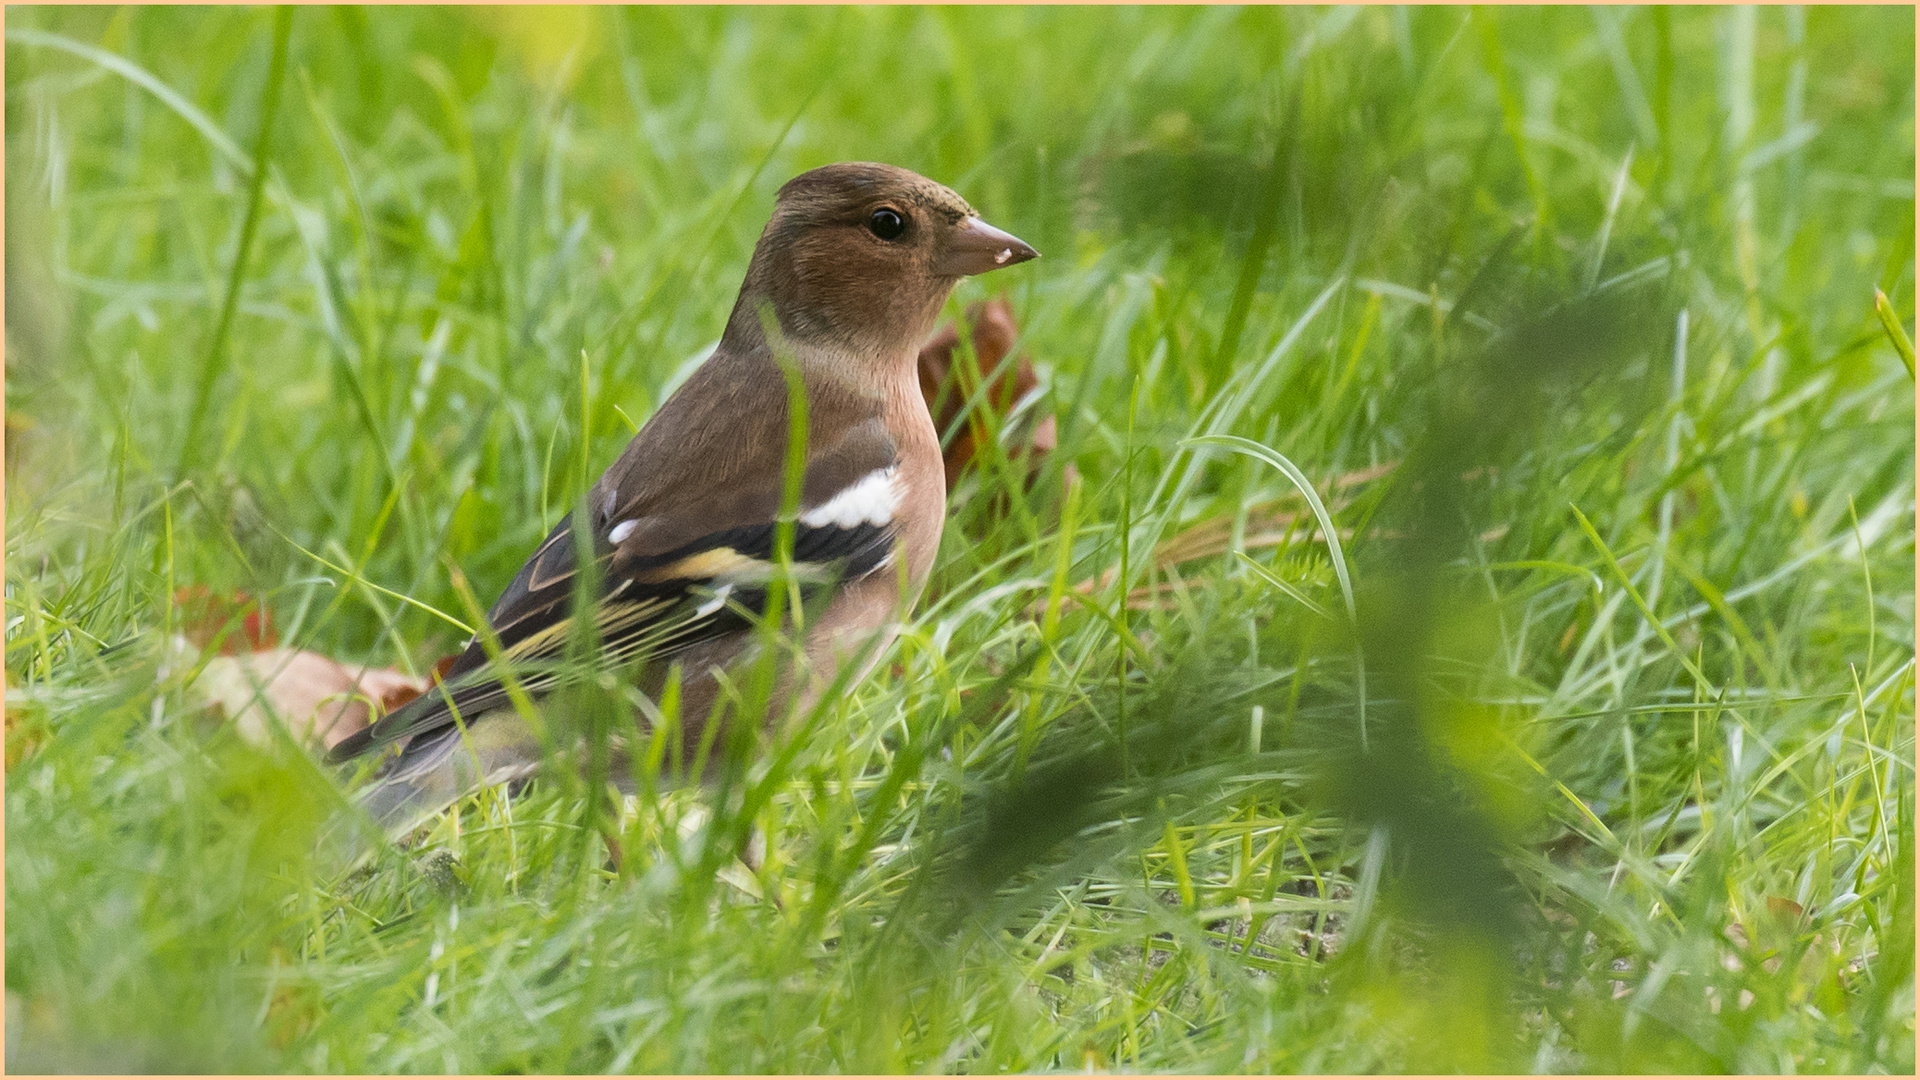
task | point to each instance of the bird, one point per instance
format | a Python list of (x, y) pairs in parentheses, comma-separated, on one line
[(845, 283)]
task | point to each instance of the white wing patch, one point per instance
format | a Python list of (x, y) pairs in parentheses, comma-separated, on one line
[(715, 603), (870, 499), (623, 530)]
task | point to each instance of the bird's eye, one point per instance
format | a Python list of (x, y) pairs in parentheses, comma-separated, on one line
[(886, 223)]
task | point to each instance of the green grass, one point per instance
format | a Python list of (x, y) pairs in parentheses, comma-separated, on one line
[(1606, 764)]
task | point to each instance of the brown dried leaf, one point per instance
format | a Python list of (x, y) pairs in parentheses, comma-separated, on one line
[(1788, 912), (949, 384), (237, 620), (400, 695), (319, 699), (26, 728)]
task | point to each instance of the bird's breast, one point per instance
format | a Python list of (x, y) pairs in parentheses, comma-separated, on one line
[(922, 480)]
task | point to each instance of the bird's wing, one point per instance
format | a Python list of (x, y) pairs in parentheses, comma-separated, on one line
[(656, 600)]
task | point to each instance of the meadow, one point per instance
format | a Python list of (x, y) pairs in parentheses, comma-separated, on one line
[(1466, 623)]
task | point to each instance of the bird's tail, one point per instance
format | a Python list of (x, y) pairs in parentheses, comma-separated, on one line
[(402, 802), (430, 777)]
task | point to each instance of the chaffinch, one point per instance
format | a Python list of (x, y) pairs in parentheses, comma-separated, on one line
[(850, 275)]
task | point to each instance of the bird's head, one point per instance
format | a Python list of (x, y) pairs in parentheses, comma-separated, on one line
[(862, 256)]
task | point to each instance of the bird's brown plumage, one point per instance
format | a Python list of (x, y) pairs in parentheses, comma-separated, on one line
[(683, 518)]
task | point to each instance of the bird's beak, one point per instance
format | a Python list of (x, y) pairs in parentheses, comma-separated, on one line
[(976, 247)]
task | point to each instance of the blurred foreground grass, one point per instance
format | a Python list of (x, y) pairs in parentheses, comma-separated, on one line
[(1604, 762)]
